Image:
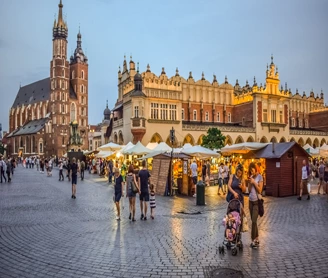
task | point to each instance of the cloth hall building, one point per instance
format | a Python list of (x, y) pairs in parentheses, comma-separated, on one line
[(50, 116), (148, 106)]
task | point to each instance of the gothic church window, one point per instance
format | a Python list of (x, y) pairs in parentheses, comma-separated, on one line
[(182, 114), (63, 121), (82, 74), (293, 122), (73, 74), (218, 117), (63, 108), (82, 89), (206, 117), (229, 117), (73, 112)]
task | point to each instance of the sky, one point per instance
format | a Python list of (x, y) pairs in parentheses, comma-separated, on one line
[(233, 38)]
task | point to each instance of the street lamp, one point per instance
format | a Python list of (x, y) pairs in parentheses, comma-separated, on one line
[(172, 133)]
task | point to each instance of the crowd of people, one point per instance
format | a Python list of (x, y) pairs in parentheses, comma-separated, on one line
[(7, 167)]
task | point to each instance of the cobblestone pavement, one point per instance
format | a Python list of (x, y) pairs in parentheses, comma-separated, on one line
[(45, 233)]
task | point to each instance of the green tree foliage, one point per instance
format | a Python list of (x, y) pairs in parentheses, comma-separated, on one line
[(2, 149), (214, 139)]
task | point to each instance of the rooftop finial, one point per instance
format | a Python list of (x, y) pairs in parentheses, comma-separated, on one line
[(138, 67), (226, 80), (271, 59), (177, 72), (148, 68), (163, 70), (107, 103), (203, 76), (130, 57), (190, 74), (214, 79), (255, 84)]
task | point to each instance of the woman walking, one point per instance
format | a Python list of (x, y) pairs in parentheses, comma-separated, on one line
[(236, 185), (131, 178), (254, 188)]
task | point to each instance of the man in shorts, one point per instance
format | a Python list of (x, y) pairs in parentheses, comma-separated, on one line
[(74, 170), (193, 168), (143, 179), (305, 179)]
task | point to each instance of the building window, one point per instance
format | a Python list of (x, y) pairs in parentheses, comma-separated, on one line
[(63, 108), (82, 100), (73, 112), (63, 121), (273, 116), (182, 114), (293, 122), (41, 148), (206, 117), (154, 111), (281, 120), (73, 74), (82, 89), (306, 123), (229, 117), (63, 72), (194, 116), (63, 96), (265, 115), (82, 74), (163, 112), (218, 117), (173, 112), (136, 111), (300, 122)]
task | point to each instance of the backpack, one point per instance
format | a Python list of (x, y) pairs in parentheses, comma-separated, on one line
[(82, 165)]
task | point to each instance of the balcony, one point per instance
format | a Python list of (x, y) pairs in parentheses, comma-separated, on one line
[(138, 129), (138, 123), (274, 127), (118, 123)]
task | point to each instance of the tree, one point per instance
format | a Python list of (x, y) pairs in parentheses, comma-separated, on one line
[(214, 139)]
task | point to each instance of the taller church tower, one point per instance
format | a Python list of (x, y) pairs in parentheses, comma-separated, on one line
[(60, 84)]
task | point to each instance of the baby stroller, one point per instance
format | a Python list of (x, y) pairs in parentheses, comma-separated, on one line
[(233, 242)]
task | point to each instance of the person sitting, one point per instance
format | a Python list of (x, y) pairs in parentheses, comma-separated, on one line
[(230, 227)]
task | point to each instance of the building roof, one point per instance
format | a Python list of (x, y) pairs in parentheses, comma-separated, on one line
[(137, 93), (32, 93), (276, 150), (31, 127)]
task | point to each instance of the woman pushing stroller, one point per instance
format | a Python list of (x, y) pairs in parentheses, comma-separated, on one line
[(236, 185)]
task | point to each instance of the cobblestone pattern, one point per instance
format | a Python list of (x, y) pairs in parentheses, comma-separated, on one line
[(45, 233)]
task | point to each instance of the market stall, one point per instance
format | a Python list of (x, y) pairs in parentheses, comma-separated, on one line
[(283, 167)]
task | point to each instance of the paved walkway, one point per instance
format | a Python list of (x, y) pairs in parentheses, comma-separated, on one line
[(45, 233)]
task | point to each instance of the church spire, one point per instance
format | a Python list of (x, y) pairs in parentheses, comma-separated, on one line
[(60, 29)]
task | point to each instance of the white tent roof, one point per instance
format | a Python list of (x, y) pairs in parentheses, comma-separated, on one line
[(110, 147), (323, 151), (200, 151), (162, 147), (127, 146), (104, 154), (243, 147), (307, 146), (186, 146), (151, 146), (138, 149)]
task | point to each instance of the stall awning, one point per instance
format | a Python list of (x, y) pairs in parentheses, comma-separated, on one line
[(243, 148), (138, 149), (201, 152)]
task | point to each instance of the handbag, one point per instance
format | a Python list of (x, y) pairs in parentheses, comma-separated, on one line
[(134, 187), (260, 205), (244, 227)]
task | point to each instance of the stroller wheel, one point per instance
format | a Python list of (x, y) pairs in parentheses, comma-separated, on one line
[(234, 252), (241, 247)]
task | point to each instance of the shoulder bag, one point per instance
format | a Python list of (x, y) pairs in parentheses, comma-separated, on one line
[(133, 186)]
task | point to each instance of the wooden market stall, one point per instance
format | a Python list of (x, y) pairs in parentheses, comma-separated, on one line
[(283, 168)]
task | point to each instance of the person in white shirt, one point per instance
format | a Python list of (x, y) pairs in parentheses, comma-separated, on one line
[(61, 176), (3, 168), (305, 180), (193, 168), (225, 177), (221, 177)]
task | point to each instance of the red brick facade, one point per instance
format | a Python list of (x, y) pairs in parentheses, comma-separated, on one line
[(243, 114), (319, 120), (259, 111)]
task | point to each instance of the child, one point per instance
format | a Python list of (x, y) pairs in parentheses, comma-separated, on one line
[(231, 227), (152, 202)]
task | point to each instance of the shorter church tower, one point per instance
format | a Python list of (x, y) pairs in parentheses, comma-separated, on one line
[(79, 90)]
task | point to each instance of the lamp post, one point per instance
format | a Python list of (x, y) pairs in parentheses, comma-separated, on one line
[(172, 134)]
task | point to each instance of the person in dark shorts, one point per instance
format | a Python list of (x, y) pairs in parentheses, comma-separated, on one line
[(74, 170), (118, 188), (144, 176)]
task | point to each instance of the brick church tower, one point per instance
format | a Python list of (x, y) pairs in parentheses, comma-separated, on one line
[(69, 91)]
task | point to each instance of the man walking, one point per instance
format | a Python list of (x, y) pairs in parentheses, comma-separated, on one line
[(61, 176), (305, 179), (193, 168), (74, 170), (144, 176), (2, 169), (110, 171), (82, 169)]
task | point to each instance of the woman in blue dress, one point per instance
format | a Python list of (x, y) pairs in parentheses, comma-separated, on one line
[(236, 185)]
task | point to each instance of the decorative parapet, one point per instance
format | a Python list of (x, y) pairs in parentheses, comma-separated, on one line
[(223, 128), (118, 123), (138, 123), (153, 121), (307, 132)]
